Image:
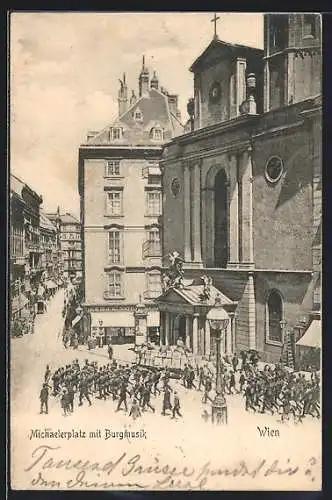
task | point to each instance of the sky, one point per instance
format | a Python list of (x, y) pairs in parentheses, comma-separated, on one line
[(64, 80)]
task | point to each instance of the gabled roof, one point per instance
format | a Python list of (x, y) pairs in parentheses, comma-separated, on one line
[(154, 108), (68, 219), (46, 223), (192, 295), (223, 48)]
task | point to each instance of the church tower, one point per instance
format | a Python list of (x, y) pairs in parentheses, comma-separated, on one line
[(292, 71)]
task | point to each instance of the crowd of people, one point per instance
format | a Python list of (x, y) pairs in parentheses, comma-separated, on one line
[(134, 386), (136, 389)]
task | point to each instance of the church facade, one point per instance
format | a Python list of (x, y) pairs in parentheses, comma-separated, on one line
[(242, 191)]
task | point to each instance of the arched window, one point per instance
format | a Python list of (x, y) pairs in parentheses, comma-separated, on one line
[(274, 315)]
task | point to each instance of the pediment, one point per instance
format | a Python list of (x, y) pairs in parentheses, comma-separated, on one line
[(171, 296)]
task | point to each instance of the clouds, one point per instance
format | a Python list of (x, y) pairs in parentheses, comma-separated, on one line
[(64, 80)]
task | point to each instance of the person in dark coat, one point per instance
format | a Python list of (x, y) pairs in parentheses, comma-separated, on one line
[(84, 391), (110, 352), (235, 362), (47, 374), (147, 397), (43, 396), (166, 400), (123, 395), (64, 401), (176, 405), (207, 389)]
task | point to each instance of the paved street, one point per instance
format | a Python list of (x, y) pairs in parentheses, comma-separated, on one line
[(31, 353)]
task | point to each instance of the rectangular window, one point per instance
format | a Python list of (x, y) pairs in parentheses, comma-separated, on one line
[(114, 202), (114, 247), (154, 243), (114, 284), (112, 168), (157, 134), (116, 133), (153, 203), (154, 282), (154, 179), (309, 25)]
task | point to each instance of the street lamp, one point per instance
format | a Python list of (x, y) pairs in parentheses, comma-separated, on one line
[(100, 332), (218, 320)]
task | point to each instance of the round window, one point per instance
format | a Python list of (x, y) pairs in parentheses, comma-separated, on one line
[(175, 187), (274, 169)]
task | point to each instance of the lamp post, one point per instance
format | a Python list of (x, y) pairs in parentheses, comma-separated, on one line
[(283, 324), (218, 319), (100, 333)]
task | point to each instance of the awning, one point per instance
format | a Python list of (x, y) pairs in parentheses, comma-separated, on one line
[(76, 320), (50, 284), (153, 318), (312, 337), (113, 319)]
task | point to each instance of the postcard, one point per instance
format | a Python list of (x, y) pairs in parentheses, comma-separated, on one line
[(165, 251)]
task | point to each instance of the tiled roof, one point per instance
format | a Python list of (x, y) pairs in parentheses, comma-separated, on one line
[(68, 219), (192, 295), (46, 223), (155, 113)]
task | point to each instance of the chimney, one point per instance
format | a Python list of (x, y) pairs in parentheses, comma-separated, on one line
[(123, 96), (133, 98), (154, 81), (143, 81), (173, 103)]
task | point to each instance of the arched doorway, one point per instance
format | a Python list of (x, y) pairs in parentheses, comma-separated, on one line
[(180, 328), (220, 220)]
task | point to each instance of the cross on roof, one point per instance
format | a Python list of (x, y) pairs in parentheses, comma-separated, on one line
[(214, 20)]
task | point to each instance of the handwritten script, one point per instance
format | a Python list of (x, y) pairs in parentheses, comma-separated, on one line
[(133, 471)]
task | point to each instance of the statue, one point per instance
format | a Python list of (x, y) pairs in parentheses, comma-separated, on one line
[(173, 276), (206, 294)]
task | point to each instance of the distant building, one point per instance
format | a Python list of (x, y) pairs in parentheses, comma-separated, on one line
[(242, 192), (70, 243), (121, 205), (49, 249), (25, 251)]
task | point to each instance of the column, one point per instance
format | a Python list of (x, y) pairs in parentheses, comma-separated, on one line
[(233, 330), (207, 338), (187, 217), (195, 333), (228, 338), (241, 65), (162, 328), (247, 207), (188, 332), (166, 328), (196, 213), (233, 212), (266, 86), (251, 311)]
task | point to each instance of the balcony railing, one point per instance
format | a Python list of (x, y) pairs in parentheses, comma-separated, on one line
[(151, 249)]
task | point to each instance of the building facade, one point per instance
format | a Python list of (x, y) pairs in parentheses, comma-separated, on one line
[(242, 191), (26, 270), (69, 243), (49, 248), (121, 204)]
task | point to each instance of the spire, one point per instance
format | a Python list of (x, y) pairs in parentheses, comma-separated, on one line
[(123, 95), (143, 81)]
